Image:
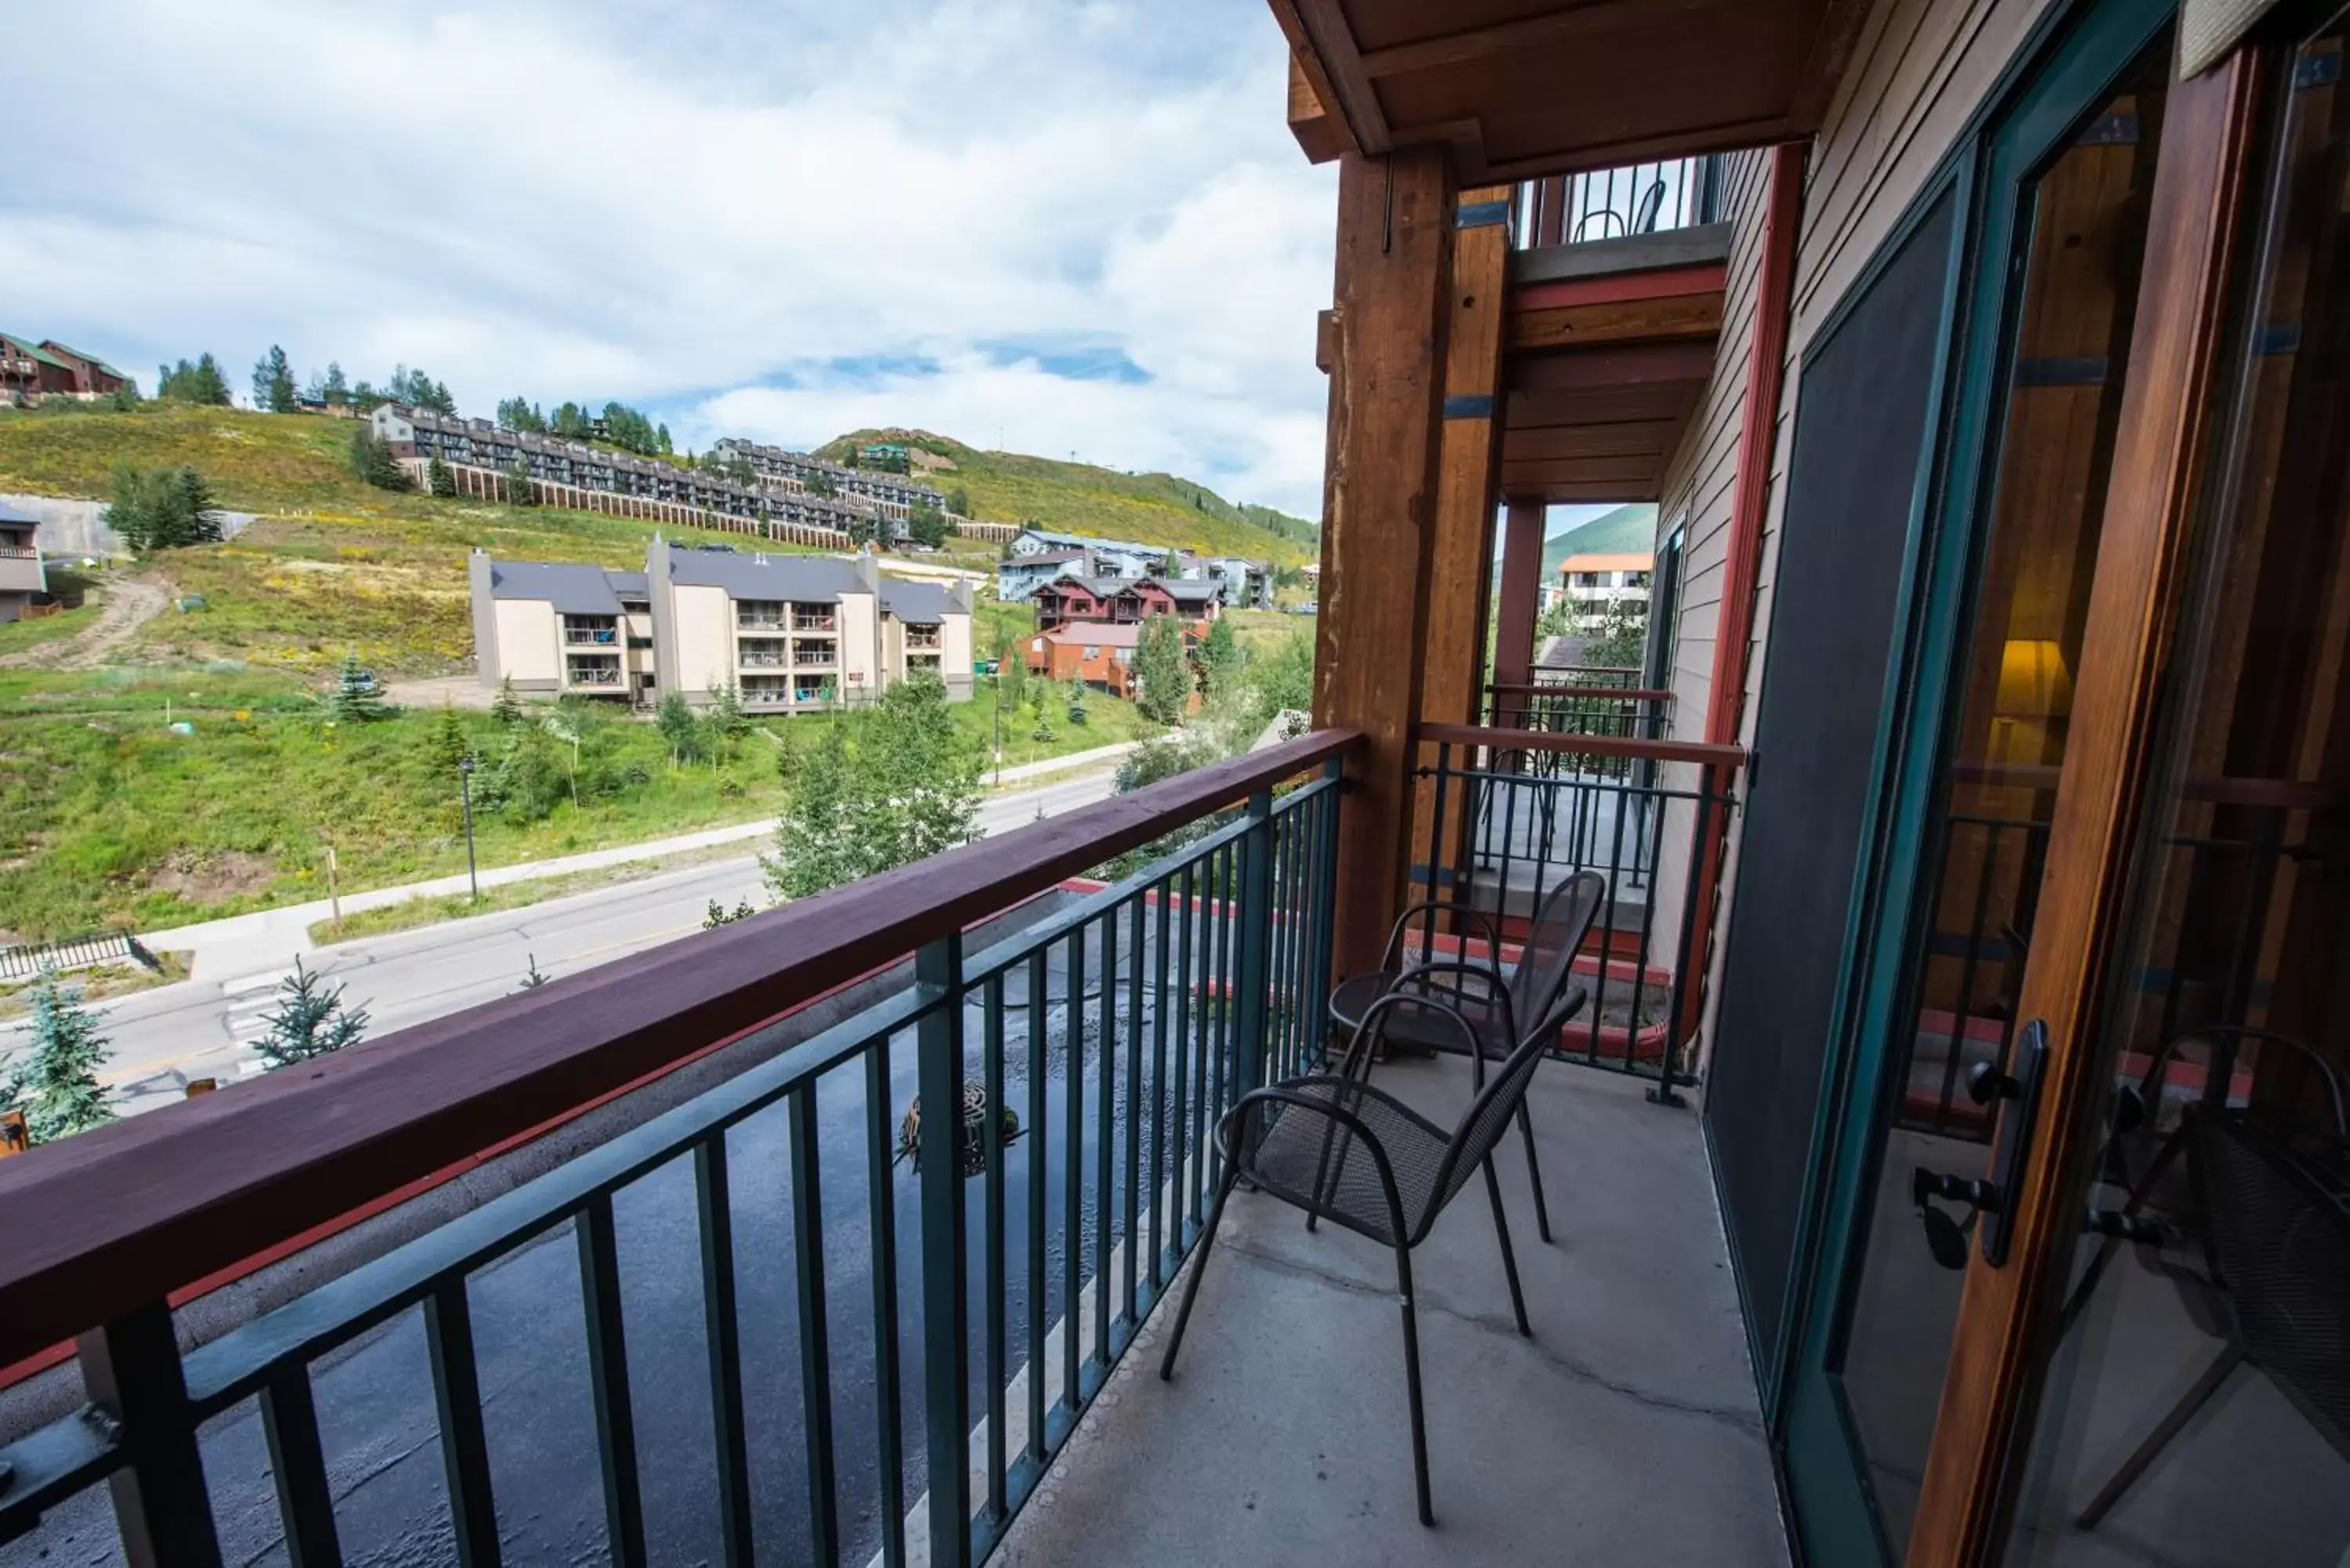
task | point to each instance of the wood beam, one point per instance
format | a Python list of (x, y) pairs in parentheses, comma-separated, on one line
[(1644, 365), (1614, 493), (1624, 437), (1475, 44), (1323, 42), (1322, 135), (1633, 469), (1387, 393), (1452, 658), (1535, 410), (1675, 318), (1520, 592), (1656, 283)]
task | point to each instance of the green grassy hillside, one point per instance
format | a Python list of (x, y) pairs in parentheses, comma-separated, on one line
[(1079, 498), (1627, 530)]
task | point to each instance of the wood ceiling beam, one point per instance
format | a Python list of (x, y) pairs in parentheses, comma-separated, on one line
[(1639, 365), (1324, 43), (1674, 316), (1537, 410), (1626, 438), (1533, 33), (1605, 493), (1322, 134), (1724, 136), (1583, 471)]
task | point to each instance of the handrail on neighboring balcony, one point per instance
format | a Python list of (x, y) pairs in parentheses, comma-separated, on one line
[(101, 1225), (1612, 694), (1705, 753)]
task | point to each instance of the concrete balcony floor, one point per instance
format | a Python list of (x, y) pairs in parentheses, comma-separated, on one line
[(1626, 1430)]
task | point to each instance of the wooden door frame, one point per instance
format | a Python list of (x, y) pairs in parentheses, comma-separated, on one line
[(2163, 449)]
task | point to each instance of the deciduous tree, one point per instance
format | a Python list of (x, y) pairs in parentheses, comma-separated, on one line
[(1164, 674), (273, 382)]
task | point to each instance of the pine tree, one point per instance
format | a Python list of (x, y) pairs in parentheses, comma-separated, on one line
[(532, 979), (1160, 666), (273, 382), (162, 508), (309, 1020), (335, 390), (354, 700), (450, 744), (679, 727), (55, 1084), (1219, 657), (727, 719), (372, 462), (439, 480), (505, 707), (1077, 714)]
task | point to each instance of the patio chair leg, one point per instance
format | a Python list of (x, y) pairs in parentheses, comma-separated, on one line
[(2159, 1438), (1411, 1382), (1533, 1169), (1509, 1258), (1198, 1267)]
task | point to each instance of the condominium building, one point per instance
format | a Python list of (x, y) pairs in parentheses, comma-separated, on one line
[(1119, 601), (1039, 555), (22, 576), (1594, 584), (787, 632), (893, 494)]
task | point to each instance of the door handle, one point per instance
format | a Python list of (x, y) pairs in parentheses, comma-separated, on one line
[(1989, 1201)]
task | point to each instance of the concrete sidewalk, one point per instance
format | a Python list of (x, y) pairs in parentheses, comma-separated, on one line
[(268, 941)]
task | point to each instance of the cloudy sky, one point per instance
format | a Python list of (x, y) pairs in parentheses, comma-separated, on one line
[(1051, 225)]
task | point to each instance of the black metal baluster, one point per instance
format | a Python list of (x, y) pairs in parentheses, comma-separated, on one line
[(130, 1369), (816, 1332), (607, 1370), (1038, 1175), (946, 1342), (289, 1424), (1133, 1237), (722, 1332), (464, 1446), (1196, 1038), (888, 1393), (1159, 1083), (1073, 1175), (1105, 1132), (1179, 1168), (999, 1501)]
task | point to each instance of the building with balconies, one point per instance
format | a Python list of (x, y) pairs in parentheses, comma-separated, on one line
[(23, 576), (557, 629), (1930, 1151)]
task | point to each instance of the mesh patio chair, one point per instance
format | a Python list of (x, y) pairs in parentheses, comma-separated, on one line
[(2305, 1109), (1496, 1005), (2276, 1244), (1345, 1152)]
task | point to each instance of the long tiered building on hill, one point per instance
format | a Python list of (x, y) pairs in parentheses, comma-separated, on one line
[(784, 504)]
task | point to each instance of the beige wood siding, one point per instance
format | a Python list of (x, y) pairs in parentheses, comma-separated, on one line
[(705, 639), (528, 650), (1919, 71)]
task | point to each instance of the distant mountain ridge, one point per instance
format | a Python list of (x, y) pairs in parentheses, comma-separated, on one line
[(1083, 498)]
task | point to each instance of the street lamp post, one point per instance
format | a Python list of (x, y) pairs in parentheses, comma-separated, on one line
[(465, 791)]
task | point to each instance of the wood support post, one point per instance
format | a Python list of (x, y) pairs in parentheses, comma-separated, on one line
[(1387, 394), (1461, 562), (1521, 592)]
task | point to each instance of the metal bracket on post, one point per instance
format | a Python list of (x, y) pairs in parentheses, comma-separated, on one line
[(132, 1369), (938, 971), (1256, 937)]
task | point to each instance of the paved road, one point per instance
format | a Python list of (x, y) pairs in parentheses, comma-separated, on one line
[(205, 1028)]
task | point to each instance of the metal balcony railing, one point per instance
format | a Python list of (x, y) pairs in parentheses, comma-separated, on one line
[(1613, 203), (954, 1320), (1511, 813), (18, 552), (592, 675), (591, 636)]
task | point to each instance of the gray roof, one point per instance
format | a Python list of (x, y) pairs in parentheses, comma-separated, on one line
[(8, 515), (631, 584), (919, 604), (1186, 588), (755, 577), (571, 588)]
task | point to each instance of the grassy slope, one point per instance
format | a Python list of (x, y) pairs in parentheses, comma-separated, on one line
[(121, 820), (1627, 530), (1079, 498)]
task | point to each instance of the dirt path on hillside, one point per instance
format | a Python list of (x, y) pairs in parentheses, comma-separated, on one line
[(129, 604)]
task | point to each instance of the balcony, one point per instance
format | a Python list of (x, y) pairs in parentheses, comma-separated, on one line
[(600, 674), (692, 1364), (807, 617), (589, 634)]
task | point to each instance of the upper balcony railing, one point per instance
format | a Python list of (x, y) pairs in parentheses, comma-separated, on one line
[(954, 1323), (1615, 204)]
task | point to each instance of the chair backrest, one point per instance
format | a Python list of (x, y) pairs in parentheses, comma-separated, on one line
[(2298, 1096), (1489, 1114), (1547, 958), (2278, 1239), (1652, 206)]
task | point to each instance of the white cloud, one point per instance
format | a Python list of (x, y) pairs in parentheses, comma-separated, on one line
[(707, 207)]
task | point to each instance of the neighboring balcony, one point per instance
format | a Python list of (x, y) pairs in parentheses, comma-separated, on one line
[(590, 631), (923, 640), (761, 654), (741, 1305), (807, 617), (815, 655), (21, 570), (594, 674)]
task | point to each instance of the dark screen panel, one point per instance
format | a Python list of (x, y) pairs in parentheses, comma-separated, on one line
[(1860, 430)]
